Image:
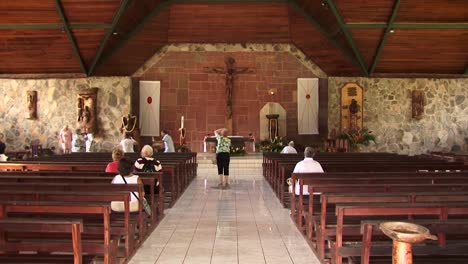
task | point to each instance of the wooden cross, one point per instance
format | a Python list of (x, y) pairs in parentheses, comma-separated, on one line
[(231, 71)]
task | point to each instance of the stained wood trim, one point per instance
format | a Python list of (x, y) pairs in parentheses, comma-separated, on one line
[(53, 26), (348, 35), (59, 8), (322, 31), (409, 25), (385, 36), (109, 32)]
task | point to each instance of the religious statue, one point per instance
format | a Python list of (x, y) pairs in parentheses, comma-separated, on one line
[(65, 137), (417, 104), (128, 124), (273, 126), (87, 110), (231, 71), (31, 98), (354, 108)]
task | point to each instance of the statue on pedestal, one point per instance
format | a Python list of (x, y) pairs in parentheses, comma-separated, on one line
[(129, 126), (31, 111), (273, 128), (87, 116)]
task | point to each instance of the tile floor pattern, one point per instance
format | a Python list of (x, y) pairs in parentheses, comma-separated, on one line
[(245, 224)]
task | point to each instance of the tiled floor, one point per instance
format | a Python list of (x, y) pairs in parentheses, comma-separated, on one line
[(245, 224)]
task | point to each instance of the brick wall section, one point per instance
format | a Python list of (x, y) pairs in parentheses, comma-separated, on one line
[(200, 97)]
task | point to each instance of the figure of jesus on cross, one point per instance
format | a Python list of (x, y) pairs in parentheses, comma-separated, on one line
[(231, 71)]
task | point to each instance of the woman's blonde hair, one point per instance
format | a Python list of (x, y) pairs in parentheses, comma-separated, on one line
[(117, 153), (224, 132), (147, 151)]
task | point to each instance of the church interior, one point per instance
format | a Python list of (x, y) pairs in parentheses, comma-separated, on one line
[(374, 92)]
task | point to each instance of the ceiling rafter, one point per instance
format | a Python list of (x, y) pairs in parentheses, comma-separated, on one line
[(345, 30), (109, 32), (53, 26), (59, 8), (408, 25), (388, 29), (328, 36), (161, 6)]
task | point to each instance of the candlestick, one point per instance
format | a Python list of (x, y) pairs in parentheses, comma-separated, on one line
[(182, 122)]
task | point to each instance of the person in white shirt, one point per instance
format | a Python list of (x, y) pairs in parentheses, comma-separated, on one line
[(127, 143), (167, 140), (125, 170), (308, 165), (289, 149)]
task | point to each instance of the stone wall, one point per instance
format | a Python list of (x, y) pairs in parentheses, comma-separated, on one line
[(188, 90), (56, 106), (387, 112)]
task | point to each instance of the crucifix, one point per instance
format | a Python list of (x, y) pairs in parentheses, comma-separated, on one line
[(231, 71)]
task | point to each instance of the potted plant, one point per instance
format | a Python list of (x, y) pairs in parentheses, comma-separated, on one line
[(358, 138)]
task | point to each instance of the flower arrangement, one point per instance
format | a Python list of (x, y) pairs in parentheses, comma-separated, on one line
[(239, 151), (358, 137), (275, 145)]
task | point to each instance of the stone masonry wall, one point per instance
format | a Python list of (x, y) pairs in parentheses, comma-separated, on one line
[(387, 112), (187, 90), (56, 106)]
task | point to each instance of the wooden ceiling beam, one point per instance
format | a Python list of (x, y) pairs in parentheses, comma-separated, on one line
[(53, 26), (109, 32), (328, 36), (345, 30), (388, 29), (409, 25), (59, 8)]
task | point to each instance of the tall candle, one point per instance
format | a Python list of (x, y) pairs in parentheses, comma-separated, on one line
[(182, 122)]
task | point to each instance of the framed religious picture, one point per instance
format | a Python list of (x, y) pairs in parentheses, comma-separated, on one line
[(417, 104), (351, 107)]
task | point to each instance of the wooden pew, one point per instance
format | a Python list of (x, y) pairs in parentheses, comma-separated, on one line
[(446, 227), (108, 248), (74, 227), (172, 184), (329, 200), (127, 230), (437, 210), (148, 179)]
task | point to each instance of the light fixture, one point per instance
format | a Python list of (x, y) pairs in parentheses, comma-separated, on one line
[(272, 91), (392, 30), (115, 33)]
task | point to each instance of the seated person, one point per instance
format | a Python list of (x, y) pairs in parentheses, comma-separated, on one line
[(148, 164), (308, 165), (289, 149), (117, 154), (125, 170), (3, 157), (127, 143)]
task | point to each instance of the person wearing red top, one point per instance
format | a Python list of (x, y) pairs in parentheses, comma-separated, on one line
[(117, 154)]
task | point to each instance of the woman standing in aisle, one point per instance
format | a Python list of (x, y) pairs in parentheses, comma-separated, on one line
[(222, 156)]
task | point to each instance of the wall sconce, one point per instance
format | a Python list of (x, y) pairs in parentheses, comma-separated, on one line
[(272, 92)]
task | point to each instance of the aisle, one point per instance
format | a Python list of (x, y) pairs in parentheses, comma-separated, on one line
[(245, 224)]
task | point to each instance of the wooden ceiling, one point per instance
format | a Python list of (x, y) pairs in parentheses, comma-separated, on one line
[(344, 38)]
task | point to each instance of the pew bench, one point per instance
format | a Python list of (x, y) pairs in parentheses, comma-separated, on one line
[(72, 227), (456, 246)]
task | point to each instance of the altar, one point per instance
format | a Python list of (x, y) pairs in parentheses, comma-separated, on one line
[(236, 141)]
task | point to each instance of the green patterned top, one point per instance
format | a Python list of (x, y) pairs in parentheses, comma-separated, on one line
[(224, 144)]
